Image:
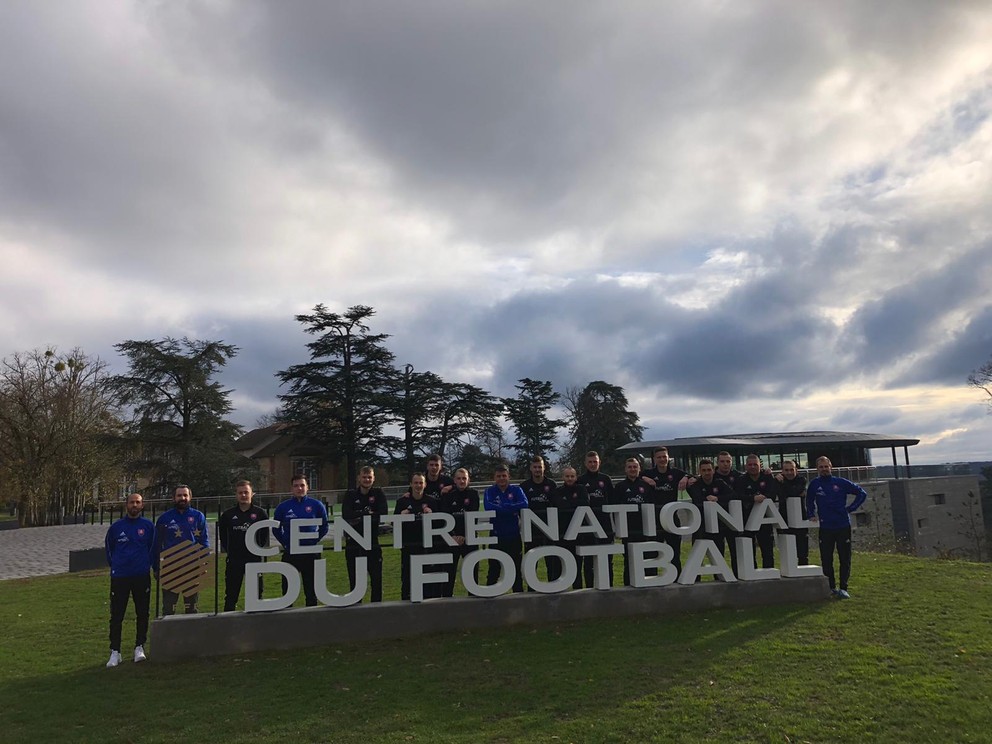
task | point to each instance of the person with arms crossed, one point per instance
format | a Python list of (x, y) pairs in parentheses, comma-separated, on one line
[(710, 488), (599, 487), (232, 525), (358, 503), (756, 486), (793, 485), (539, 491), (130, 543), (180, 524), (668, 481), (301, 506), (633, 489), (826, 502), (456, 502), (569, 497), (416, 502)]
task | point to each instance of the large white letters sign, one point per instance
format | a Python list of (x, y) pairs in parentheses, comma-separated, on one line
[(650, 561)]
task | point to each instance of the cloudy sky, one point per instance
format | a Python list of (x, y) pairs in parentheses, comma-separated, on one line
[(754, 216)]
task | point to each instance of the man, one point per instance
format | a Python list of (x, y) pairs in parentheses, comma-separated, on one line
[(539, 491), (667, 482), (438, 482), (756, 486), (179, 525), (793, 485), (301, 506), (633, 489), (130, 544), (457, 502), (600, 491), (233, 524), (366, 500), (506, 500), (709, 488), (826, 500), (569, 497), (415, 502), (725, 470)]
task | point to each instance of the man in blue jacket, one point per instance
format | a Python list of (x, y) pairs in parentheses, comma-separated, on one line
[(301, 506), (129, 545), (506, 500), (178, 525), (826, 501)]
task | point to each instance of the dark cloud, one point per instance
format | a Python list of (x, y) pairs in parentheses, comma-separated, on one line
[(950, 362), (912, 319)]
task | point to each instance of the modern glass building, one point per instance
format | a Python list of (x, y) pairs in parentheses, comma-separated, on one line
[(850, 451)]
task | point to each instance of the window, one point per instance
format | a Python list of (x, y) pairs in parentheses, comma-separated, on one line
[(938, 499), (309, 468), (922, 523)]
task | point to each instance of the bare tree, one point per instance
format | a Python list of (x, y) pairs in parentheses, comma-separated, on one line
[(981, 379), (59, 434)]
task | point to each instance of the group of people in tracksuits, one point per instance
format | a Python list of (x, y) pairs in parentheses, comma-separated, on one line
[(134, 545)]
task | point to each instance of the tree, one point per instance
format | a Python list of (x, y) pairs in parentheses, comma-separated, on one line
[(536, 431), (58, 434), (344, 396), (599, 420), (981, 379), (985, 492), (439, 416), (178, 422), (466, 412), (417, 407)]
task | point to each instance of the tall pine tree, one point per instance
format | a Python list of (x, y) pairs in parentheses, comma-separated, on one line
[(345, 395)]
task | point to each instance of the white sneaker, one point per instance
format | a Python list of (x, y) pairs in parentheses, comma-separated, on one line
[(139, 654), (115, 659)]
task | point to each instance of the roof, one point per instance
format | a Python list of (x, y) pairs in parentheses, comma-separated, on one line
[(273, 440), (781, 440)]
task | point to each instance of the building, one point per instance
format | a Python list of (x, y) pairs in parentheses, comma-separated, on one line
[(927, 516), (848, 451), (280, 455)]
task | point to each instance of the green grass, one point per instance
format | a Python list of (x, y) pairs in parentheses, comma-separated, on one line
[(908, 659)]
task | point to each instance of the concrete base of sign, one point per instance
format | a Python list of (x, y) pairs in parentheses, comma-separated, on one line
[(190, 636)]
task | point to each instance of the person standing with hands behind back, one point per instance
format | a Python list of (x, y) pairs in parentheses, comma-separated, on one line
[(129, 543)]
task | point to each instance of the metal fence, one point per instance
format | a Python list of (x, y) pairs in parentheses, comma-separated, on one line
[(213, 506)]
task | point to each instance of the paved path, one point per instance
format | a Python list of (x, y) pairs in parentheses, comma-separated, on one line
[(36, 551)]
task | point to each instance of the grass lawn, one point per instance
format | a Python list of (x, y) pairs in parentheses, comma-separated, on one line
[(908, 659)]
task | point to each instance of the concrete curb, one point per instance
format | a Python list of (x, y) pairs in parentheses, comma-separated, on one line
[(180, 637)]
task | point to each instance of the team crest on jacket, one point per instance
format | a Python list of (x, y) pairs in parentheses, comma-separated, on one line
[(141, 531), (601, 484), (189, 519), (371, 499), (716, 491), (836, 488), (253, 516), (640, 489), (308, 509), (466, 502), (670, 476), (547, 488)]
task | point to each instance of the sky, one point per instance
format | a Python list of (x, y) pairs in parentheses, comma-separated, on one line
[(753, 216)]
